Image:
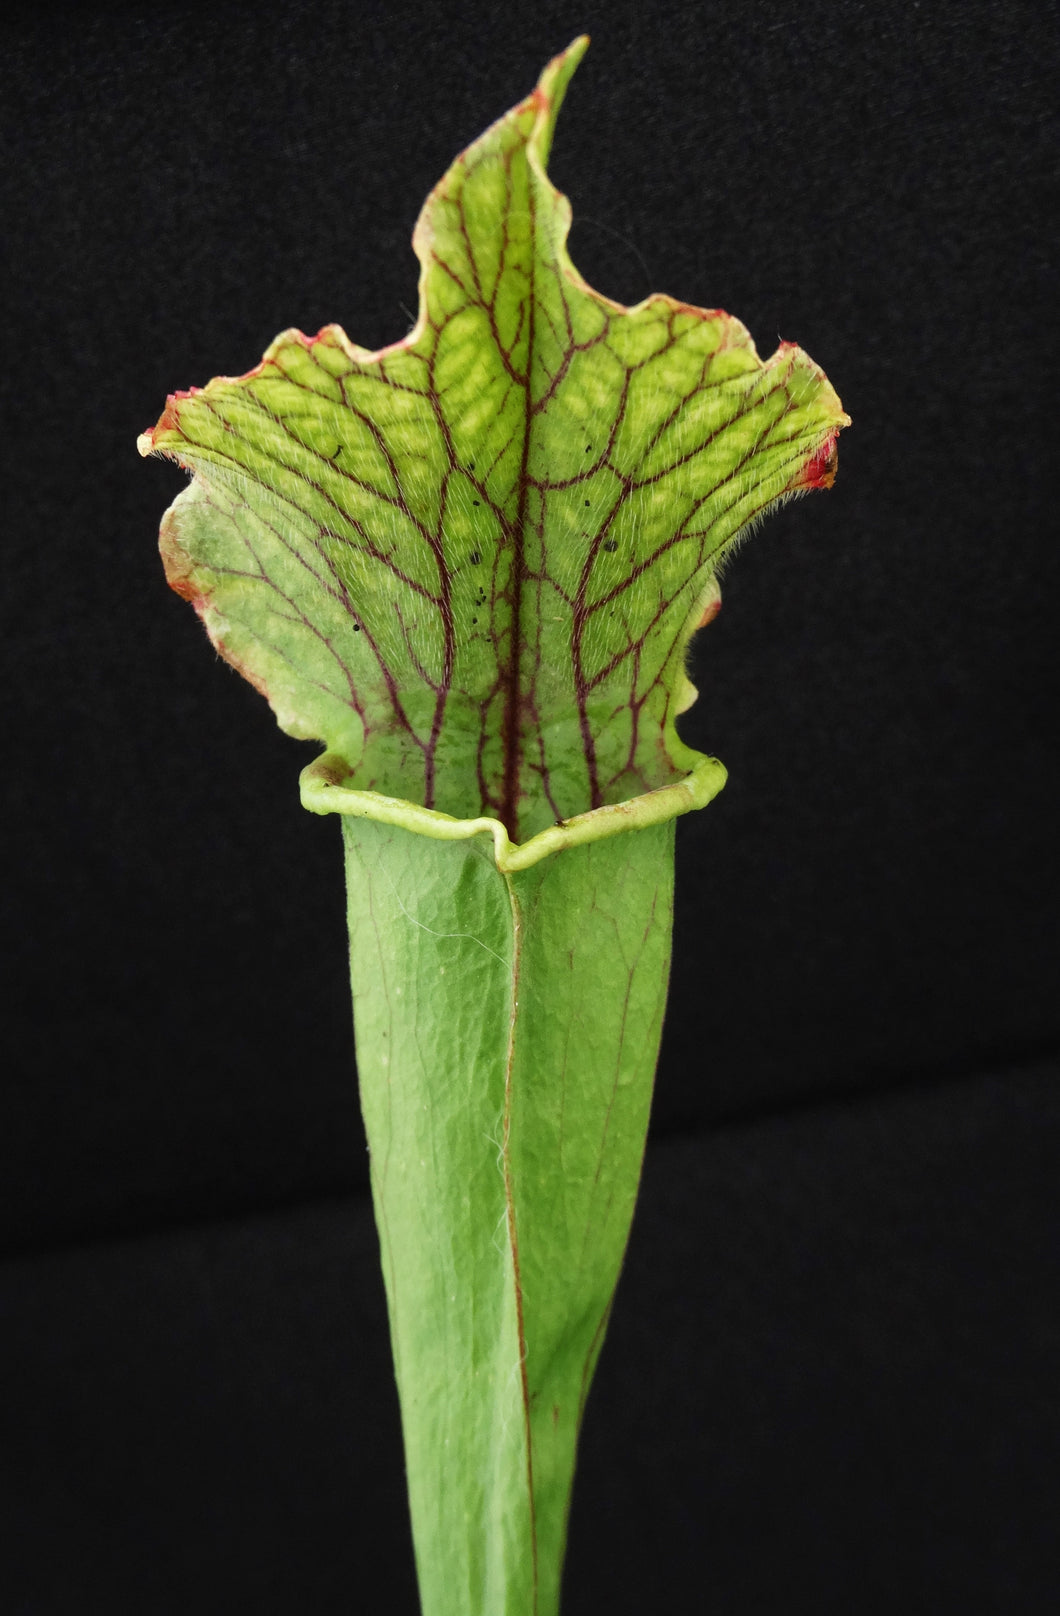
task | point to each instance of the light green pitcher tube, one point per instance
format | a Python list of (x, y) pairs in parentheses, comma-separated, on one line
[(507, 1028)]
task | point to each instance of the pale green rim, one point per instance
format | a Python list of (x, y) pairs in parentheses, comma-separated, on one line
[(324, 793)]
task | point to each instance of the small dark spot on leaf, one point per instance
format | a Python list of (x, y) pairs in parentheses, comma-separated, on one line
[(471, 465), (474, 619), (476, 502), (588, 448), (338, 451), (610, 545), (475, 558), (586, 502), (356, 628)]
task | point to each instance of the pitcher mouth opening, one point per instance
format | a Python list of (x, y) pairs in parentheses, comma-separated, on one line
[(323, 792)]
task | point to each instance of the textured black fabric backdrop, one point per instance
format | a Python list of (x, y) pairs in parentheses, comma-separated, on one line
[(829, 1380)]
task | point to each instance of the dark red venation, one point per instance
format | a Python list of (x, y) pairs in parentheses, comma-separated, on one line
[(511, 704)]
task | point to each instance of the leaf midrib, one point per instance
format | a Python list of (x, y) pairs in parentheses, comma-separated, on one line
[(512, 1229), (513, 703)]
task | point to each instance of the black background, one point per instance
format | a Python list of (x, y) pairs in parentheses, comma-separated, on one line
[(829, 1383)]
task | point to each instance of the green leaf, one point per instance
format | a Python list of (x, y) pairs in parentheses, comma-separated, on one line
[(471, 563), (506, 1104)]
